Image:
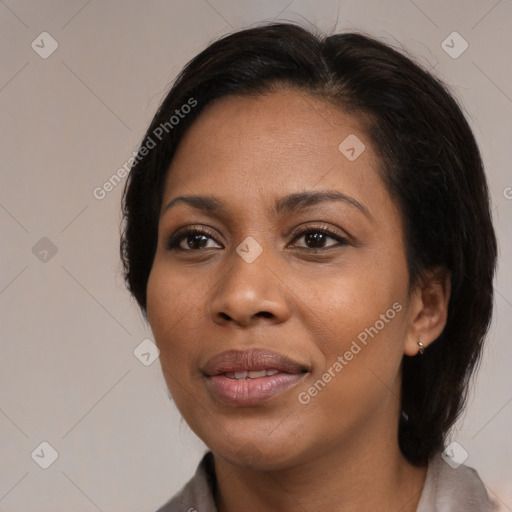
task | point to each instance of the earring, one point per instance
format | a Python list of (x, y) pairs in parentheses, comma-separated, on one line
[(422, 348)]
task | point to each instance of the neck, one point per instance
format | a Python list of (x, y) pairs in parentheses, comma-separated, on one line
[(356, 477)]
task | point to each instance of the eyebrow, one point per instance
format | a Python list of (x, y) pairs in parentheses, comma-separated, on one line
[(284, 205)]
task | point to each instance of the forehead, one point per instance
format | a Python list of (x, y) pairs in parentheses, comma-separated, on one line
[(268, 145)]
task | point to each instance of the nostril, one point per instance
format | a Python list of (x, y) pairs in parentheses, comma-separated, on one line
[(260, 314), (264, 314)]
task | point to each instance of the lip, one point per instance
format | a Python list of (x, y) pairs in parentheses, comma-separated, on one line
[(249, 392), (251, 360)]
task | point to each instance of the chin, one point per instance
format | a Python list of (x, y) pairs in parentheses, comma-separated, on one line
[(259, 452)]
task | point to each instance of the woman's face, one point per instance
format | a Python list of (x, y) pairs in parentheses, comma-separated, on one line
[(281, 323)]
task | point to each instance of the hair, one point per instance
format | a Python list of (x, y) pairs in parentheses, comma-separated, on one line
[(429, 161)]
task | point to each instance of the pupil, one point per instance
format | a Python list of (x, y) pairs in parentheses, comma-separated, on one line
[(191, 242), (315, 239)]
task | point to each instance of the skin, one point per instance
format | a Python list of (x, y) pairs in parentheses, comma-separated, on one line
[(339, 451)]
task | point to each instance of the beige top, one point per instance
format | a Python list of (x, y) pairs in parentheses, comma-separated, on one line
[(445, 490)]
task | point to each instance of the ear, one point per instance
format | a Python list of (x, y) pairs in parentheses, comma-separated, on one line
[(429, 309)]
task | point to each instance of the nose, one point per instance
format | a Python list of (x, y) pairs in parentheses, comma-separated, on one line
[(250, 294)]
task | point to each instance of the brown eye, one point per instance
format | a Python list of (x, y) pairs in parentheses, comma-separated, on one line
[(316, 238), (190, 240)]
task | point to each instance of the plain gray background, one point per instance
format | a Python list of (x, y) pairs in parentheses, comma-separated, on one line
[(68, 374)]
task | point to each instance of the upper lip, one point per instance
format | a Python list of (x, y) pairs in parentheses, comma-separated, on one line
[(251, 360)]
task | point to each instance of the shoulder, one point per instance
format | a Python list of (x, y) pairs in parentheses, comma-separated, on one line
[(197, 494), (451, 489)]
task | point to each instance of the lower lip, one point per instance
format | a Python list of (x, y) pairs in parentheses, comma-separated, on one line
[(251, 391)]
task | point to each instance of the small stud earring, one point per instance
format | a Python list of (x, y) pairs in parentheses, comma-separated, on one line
[(422, 348)]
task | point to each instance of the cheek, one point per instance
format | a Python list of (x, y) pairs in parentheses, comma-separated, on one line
[(365, 314), (360, 367), (167, 308), (354, 297), (178, 316)]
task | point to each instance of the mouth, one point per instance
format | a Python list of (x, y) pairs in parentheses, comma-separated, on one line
[(247, 378), (253, 374)]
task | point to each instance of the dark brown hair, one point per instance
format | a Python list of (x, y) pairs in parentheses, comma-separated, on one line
[(429, 161)]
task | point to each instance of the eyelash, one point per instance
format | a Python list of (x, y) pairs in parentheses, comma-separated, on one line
[(174, 240)]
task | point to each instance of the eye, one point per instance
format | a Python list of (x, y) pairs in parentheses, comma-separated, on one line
[(315, 238), (191, 240)]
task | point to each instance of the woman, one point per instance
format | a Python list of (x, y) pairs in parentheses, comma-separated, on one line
[(307, 231)]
